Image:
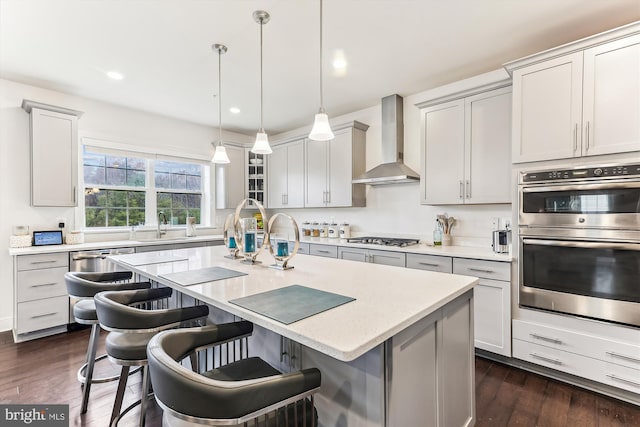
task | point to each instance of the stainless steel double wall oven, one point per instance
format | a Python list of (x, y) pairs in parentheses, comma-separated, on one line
[(579, 237)]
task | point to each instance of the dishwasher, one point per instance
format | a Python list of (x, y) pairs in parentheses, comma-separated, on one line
[(93, 261)]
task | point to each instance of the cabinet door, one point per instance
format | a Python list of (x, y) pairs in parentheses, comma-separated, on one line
[(488, 147), (230, 179), (54, 158), (547, 110), (340, 169), (277, 177), (611, 114), (295, 175), (397, 259), (492, 316), (316, 182), (443, 175), (352, 254)]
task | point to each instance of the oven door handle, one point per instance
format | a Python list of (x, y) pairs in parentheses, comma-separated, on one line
[(580, 244), (581, 187)]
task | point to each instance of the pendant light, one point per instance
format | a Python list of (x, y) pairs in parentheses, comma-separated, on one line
[(261, 145), (220, 155), (321, 130)]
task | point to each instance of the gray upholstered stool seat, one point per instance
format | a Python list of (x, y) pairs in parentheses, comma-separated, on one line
[(130, 329), (84, 311), (84, 285), (233, 393)]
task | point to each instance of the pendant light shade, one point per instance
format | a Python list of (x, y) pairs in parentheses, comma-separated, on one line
[(261, 145), (321, 130), (220, 155)]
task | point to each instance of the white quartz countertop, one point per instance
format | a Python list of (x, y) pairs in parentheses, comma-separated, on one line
[(387, 299), (31, 250), (451, 251)]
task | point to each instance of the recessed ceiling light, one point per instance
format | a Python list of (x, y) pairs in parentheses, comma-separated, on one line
[(115, 75), (339, 61), (234, 110)]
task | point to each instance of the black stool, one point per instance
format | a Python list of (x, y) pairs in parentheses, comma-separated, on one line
[(247, 389), (85, 285), (132, 327)]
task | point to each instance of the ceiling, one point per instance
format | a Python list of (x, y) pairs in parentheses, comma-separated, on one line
[(163, 49)]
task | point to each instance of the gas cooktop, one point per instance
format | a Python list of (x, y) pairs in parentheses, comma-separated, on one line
[(384, 241)]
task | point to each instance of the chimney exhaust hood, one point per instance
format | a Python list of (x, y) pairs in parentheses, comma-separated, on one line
[(392, 170)]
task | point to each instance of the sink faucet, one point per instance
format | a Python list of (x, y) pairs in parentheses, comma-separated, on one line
[(162, 219)]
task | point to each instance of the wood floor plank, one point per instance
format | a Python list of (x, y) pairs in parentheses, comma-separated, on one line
[(555, 405)]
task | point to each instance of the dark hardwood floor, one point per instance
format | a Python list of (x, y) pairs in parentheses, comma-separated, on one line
[(44, 372)]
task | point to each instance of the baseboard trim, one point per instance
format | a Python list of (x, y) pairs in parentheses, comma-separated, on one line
[(594, 386)]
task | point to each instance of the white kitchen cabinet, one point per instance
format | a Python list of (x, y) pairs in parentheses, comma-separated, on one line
[(41, 302), (374, 256), (286, 176), (54, 154), (579, 353), (467, 150), (583, 103), (332, 165), (492, 303), (231, 179)]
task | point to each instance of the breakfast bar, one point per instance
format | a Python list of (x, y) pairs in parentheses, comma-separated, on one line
[(394, 345)]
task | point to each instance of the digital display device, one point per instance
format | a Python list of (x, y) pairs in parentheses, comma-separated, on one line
[(44, 238)]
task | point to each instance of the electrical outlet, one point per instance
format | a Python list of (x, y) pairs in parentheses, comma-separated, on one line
[(62, 222)]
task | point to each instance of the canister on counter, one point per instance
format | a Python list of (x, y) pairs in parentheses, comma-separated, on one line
[(324, 229), (306, 229), (345, 231), (334, 231), (315, 230)]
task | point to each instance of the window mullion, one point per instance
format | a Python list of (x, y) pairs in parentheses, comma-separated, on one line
[(151, 200)]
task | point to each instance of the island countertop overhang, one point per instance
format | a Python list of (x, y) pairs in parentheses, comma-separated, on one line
[(388, 299)]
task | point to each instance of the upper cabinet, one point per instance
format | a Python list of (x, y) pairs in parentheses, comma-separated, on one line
[(230, 178), (286, 175), (578, 100), (54, 154), (332, 165), (467, 150)]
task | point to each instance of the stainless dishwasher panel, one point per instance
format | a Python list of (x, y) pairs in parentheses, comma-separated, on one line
[(93, 261)]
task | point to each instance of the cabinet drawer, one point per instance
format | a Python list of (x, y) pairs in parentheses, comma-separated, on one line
[(442, 264), (484, 269), (329, 251), (396, 259), (42, 314), (33, 262), (582, 366), (39, 284), (616, 352), (302, 249)]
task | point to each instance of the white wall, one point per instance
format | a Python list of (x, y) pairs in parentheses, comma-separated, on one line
[(100, 120)]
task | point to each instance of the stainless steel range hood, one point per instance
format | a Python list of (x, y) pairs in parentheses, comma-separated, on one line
[(392, 170)]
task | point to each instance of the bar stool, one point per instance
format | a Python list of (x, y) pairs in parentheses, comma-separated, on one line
[(131, 328), (243, 390), (84, 285)]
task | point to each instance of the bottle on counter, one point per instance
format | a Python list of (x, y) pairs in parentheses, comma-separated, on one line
[(437, 235), (345, 231)]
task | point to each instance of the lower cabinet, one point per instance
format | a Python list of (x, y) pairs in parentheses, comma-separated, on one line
[(594, 357), (442, 264), (329, 251), (41, 301), (374, 256)]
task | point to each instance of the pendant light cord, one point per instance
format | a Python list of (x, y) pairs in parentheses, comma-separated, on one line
[(321, 96), (220, 96), (261, 90)]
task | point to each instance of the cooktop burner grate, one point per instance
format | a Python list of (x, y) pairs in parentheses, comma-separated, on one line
[(384, 241)]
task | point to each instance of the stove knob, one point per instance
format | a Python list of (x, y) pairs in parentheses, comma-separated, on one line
[(597, 172)]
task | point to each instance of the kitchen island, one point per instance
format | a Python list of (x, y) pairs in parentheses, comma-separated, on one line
[(400, 354)]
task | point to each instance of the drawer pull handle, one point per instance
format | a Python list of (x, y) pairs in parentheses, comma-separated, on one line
[(43, 284), (480, 270), (623, 380), (623, 356), (428, 264), (42, 262), (323, 252), (543, 338), (546, 359), (44, 315)]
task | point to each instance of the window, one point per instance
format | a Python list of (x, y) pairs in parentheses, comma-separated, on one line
[(122, 190)]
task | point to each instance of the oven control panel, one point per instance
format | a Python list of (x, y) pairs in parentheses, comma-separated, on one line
[(582, 173)]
